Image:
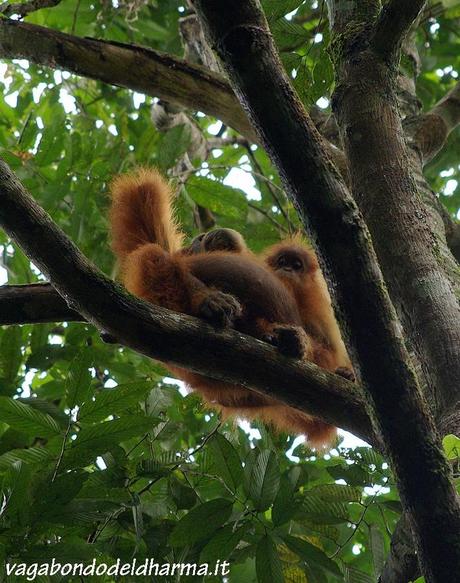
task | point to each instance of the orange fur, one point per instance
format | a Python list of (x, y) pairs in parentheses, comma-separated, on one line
[(232, 287), (313, 301), (138, 200)]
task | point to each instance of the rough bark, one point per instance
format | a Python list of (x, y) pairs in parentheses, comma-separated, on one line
[(240, 35), (408, 248), (425, 133), (407, 231), (167, 336)]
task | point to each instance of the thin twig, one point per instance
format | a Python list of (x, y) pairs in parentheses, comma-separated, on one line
[(61, 453), (269, 217)]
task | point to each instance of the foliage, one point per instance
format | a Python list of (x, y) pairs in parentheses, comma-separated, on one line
[(100, 457)]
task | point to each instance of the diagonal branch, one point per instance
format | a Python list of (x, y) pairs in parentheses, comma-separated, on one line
[(394, 22), (177, 339)]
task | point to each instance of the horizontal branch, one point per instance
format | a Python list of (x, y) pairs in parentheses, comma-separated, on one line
[(394, 22), (170, 337), (136, 68), (33, 304), (429, 131)]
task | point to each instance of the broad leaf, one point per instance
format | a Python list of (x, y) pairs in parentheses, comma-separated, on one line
[(262, 479), (27, 419), (201, 522)]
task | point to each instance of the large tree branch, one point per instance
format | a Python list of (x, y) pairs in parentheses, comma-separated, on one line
[(239, 32), (394, 22), (134, 67), (137, 68), (181, 340)]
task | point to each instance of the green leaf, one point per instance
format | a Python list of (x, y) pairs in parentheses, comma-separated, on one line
[(323, 512), (313, 555), (354, 475), (393, 505), (52, 496), (28, 135), (368, 455), (33, 455), (114, 431), (268, 563), (336, 493), (353, 575), (44, 358), (275, 9), (217, 197), (223, 543), (15, 489), (72, 550), (262, 479), (245, 572), (39, 336), (183, 495), (226, 461), (303, 83), (289, 35), (27, 419), (452, 13), (451, 445), (51, 144), (152, 469), (114, 401), (79, 378), (323, 78), (284, 506), (12, 159), (201, 522), (377, 546)]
